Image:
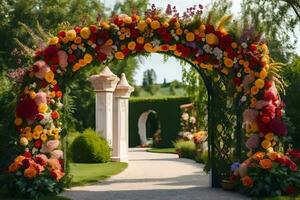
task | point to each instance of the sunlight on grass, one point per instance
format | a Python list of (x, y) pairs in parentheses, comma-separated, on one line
[(90, 173), (162, 150)]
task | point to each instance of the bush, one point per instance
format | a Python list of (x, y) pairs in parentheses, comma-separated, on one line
[(202, 157), (90, 148), (185, 149)]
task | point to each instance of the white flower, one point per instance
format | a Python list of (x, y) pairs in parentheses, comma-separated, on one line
[(185, 116), (193, 120), (244, 45), (207, 48)]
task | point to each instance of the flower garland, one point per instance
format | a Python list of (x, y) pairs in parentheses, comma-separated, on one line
[(206, 46)]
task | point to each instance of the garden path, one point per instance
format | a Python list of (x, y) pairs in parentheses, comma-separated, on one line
[(154, 176)]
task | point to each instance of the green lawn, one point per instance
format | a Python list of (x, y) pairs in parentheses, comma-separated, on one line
[(90, 173), (162, 150)]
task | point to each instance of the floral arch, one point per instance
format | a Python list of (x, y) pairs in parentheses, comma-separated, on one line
[(236, 72)]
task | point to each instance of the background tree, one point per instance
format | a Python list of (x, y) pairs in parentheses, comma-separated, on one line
[(149, 81)]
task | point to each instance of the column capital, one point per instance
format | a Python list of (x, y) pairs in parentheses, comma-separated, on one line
[(123, 89), (105, 81)]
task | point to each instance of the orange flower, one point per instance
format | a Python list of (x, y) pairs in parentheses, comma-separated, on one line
[(273, 155), (190, 37), (13, 167), (247, 181), (212, 39), (254, 90), (30, 172), (228, 62), (155, 24), (18, 121), (119, 55), (265, 163), (131, 45), (266, 144), (259, 155)]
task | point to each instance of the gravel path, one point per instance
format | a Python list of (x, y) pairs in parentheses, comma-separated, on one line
[(153, 176)]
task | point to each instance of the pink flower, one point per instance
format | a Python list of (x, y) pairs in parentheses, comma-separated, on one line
[(250, 115), (252, 142), (41, 97), (40, 68), (58, 154), (50, 146), (261, 103), (269, 110), (243, 169), (63, 59), (106, 49), (248, 79)]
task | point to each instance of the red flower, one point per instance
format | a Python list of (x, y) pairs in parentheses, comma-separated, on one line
[(278, 127), (44, 83), (93, 28), (185, 53), (38, 144), (134, 33), (139, 47), (26, 163), (53, 68), (237, 81), (179, 47), (227, 40), (101, 57), (27, 154), (27, 108), (40, 117), (40, 161), (103, 35), (77, 29), (56, 88), (71, 58), (268, 96), (209, 29), (55, 115), (290, 190), (50, 55), (253, 47), (278, 112), (125, 51), (268, 84), (118, 21), (62, 33)]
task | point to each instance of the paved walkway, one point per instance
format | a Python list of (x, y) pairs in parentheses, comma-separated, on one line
[(153, 176)]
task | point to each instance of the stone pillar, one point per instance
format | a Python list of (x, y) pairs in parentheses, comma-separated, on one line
[(120, 117), (104, 85)]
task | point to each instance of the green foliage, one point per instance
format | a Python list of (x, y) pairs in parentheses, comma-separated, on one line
[(162, 150), (130, 7), (90, 148), (168, 112), (201, 157), (185, 149)]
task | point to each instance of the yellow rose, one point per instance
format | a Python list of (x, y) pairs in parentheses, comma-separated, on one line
[(179, 31), (127, 20), (140, 40), (190, 37), (56, 130), (109, 42), (23, 141), (166, 24), (53, 41), (85, 32), (122, 37), (71, 35), (148, 47), (43, 107), (28, 136), (259, 83), (269, 136), (263, 74), (266, 144), (142, 25), (18, 121), (49, 76), (38, 129), (131, 45), (32, 94), (88, 58), (155, 24), (211, 39), (119, 55), (44, 137), (228, 62)]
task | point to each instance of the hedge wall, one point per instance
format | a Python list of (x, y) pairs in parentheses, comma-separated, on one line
[(168, 111)]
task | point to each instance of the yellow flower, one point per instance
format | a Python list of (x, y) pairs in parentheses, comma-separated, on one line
[(49, 76), (23, 141), (155, 24), (172, 47), (211, 39), (53, 41), (228, 62), (269, 136), (131, 45), (71, 35), (109, 42), (56, 130), (224, 71), (148, 47), (190, 37), (119, 55), (234, 45), (105, 25), (43, 107), (36, 135), (76, 67), (127, 20), (88, 58), (38, 129), (142, 25), (259, 83), (44, 137), (179, 31), (254, 90), (266, 144), (32, 94), (85, 32), (56, 136), (165, 24), (28, 136), (263, 74), (140, 40), (122, 37), (18, 121)]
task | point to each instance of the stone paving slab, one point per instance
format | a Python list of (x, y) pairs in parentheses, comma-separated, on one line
[(154, 176)]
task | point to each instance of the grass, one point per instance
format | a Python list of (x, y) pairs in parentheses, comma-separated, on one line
[(84, 174), (162, 150)]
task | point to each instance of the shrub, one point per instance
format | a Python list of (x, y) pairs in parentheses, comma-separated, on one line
[(90, 148), (202, 157), (185, 149)]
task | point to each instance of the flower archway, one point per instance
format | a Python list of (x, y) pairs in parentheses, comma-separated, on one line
[(224, 60)]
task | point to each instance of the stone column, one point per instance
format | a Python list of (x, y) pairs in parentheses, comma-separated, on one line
[(120, 117), (104, 85)]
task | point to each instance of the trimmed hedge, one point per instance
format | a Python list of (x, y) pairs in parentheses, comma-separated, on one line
[(168, 111)]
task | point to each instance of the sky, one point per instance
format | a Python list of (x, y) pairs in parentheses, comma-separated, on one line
[(171, 70)]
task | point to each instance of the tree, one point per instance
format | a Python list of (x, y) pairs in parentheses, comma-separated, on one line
[(149, 77), (130, 7), (277, 19)]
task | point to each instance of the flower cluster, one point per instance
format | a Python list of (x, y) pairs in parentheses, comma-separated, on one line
[(206, 46)]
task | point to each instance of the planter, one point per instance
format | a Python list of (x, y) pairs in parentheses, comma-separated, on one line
[(228, 185)]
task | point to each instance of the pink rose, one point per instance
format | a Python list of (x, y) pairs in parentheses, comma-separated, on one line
[(58, 154), (63, 59), (252, 142), (41, 97), (261, 103), (50, 146), (250, 115), (248, 79), (40, 69)]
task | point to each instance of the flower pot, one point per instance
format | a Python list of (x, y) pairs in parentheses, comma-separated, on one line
[(228, 185)]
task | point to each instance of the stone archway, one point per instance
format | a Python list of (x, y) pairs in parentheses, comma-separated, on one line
[(142, 126)]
